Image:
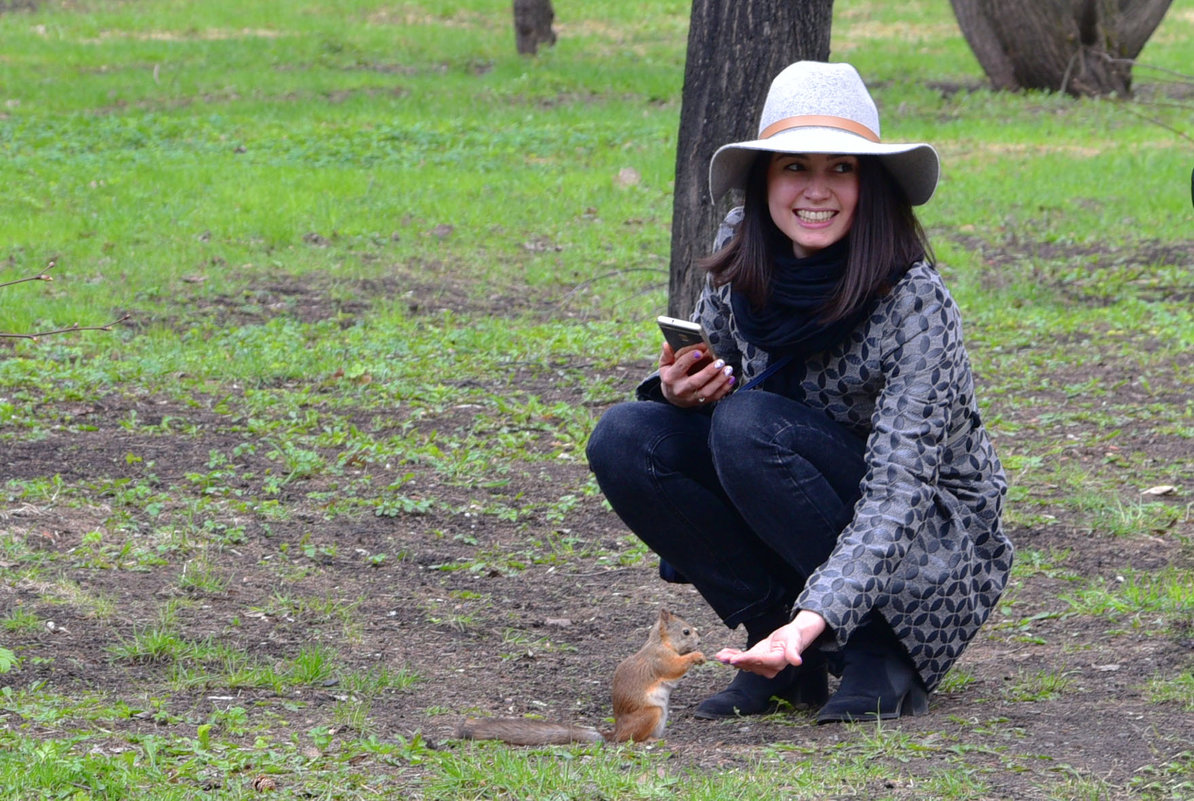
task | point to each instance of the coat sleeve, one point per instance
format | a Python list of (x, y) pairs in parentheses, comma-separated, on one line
[(922, 361)]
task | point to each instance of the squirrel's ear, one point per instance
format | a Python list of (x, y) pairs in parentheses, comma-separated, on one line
[(664, 616)]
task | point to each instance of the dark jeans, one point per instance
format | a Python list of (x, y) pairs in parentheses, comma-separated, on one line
[(746, 502)]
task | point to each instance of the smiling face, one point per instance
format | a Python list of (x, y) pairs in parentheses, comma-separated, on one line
[(812, 198)]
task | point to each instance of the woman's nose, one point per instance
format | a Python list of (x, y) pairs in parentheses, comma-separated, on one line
[(817, 187)]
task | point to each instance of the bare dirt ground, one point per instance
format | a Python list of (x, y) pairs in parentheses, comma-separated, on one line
[(491, 637)]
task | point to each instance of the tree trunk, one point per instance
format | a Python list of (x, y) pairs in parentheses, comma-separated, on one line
[(734, 50), (532, 25), (1082, 47)]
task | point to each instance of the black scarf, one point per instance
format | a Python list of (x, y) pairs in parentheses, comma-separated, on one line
[(790, 321)]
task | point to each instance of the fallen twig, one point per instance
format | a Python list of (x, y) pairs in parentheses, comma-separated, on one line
[(45, 276), (67, 330)]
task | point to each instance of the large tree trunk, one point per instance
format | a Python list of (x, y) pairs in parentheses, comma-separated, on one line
[(735, 48), (532, 25), (1083, 47)]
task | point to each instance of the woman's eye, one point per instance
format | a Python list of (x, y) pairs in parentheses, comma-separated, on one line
[(844, 166)]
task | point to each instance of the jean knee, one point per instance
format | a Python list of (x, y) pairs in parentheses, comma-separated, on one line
[(619, 440), (607, 441), (738, 423)]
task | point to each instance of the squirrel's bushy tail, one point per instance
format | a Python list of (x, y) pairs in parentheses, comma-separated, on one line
[(525, 731)]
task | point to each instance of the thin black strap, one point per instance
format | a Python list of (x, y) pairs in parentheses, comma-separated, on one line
[(767, 373)]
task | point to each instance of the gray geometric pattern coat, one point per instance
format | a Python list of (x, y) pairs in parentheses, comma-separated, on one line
[(925, 548)]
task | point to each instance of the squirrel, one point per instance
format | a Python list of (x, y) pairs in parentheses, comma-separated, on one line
[(642, 686)]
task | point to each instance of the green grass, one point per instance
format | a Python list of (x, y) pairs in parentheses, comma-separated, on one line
[(1177, 689), (1143, 598), (251, 138), (1040, 686), (483, 274)]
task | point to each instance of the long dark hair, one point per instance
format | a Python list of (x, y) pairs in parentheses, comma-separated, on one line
[(884, 241)]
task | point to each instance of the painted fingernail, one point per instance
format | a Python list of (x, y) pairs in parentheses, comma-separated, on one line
[(733, 380), (697, 355), (720, 363), (729, 369)]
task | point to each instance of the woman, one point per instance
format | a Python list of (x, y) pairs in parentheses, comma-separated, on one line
[(843, 504)]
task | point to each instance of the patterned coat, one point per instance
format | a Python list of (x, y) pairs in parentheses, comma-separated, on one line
[(925, 547)]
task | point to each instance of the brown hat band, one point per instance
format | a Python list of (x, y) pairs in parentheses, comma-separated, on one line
[(819, 121)]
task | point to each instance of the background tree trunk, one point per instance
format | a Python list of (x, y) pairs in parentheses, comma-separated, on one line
[(532, 25), (1083, 47), (734, 50)]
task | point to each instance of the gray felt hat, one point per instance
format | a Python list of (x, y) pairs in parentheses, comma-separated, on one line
[(814, 107)]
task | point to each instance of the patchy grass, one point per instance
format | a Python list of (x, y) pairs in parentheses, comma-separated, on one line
[(326, 494)]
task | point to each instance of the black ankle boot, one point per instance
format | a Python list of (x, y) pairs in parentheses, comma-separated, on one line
[(803, 686), (878, 683)]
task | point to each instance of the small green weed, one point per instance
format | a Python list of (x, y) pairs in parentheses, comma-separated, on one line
[(1177, 689), (1172, 779), (353, 714), (957, 784), (1030, 562), (1044, 685), (1165, 597), (957, 680), (200, 577), (372, 683), (1136, 517), (20, 619), (153, 645), (313, 664)]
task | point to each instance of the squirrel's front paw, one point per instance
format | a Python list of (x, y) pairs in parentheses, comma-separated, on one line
[(697, 658)]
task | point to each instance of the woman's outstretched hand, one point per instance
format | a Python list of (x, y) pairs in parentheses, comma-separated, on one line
[(683, 384), (768, 657)]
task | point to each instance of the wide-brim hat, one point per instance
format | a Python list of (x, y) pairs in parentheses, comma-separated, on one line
[(814, 107)]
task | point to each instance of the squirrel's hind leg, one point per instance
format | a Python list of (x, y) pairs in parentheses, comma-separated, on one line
[(640, 725)]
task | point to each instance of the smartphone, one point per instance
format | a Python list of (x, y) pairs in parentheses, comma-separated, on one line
[(682, 333)]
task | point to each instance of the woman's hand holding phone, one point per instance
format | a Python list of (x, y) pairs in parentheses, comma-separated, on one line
[(690, 377)]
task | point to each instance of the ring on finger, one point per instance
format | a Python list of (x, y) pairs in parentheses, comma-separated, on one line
[(700, 399)]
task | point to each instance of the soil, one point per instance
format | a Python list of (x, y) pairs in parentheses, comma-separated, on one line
[(488, 637)]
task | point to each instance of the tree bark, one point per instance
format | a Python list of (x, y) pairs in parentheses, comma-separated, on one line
[(734, 50), (1082, 47), (532, 25)]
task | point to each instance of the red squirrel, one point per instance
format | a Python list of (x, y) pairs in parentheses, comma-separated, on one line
[(642, 686)]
